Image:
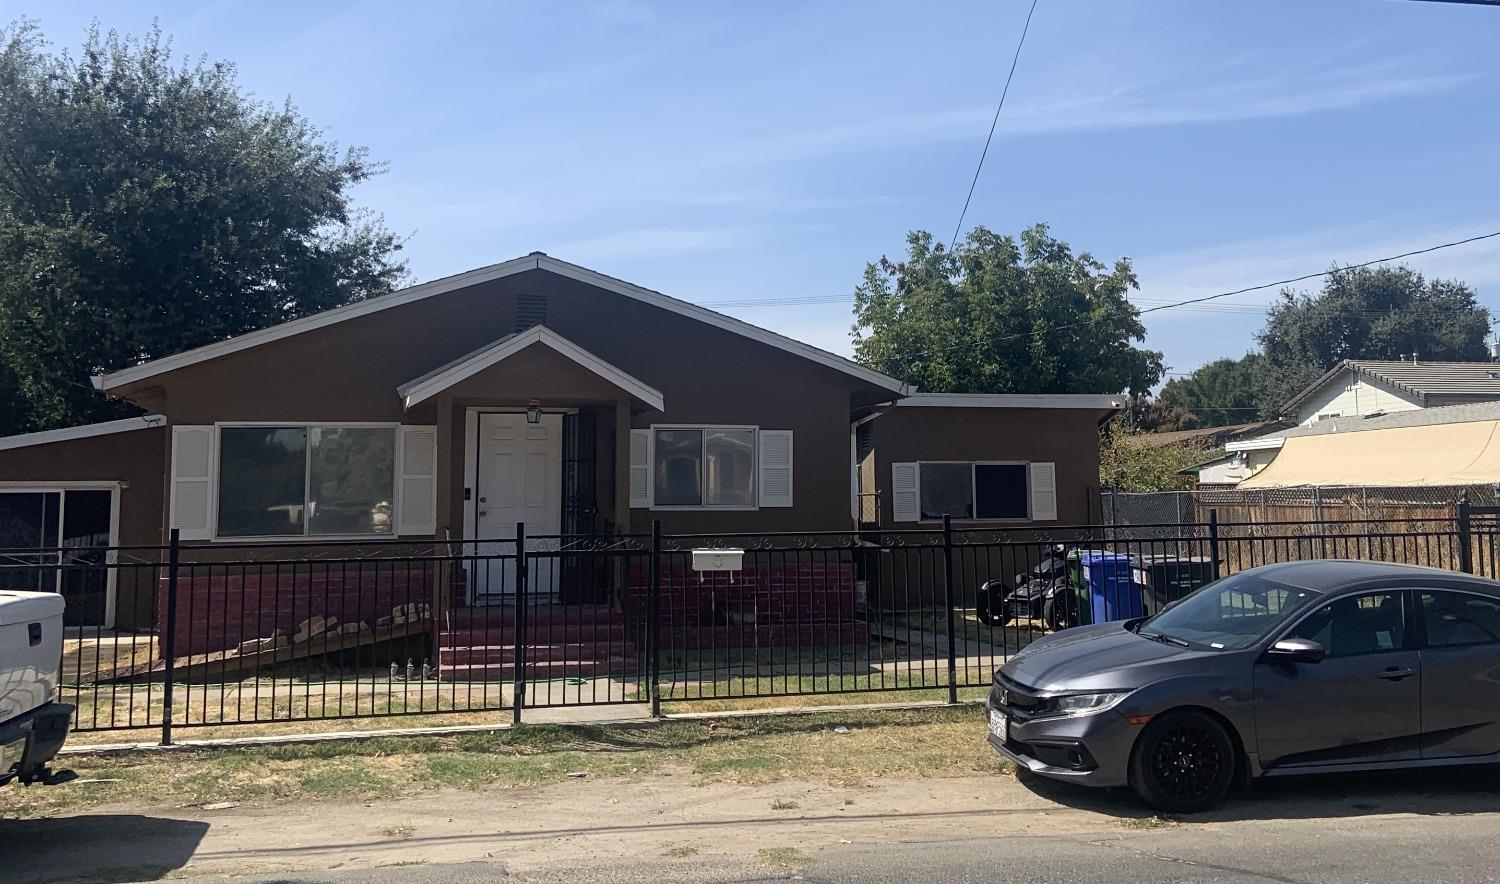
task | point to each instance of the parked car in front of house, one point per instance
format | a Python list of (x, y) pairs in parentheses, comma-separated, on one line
[(1296, 668), (33, 725)]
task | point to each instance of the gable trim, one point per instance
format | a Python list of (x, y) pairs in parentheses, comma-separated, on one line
[(44, 437), (1357, 370), (436, 381), (534, 261)]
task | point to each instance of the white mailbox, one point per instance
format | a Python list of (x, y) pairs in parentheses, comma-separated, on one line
[(718, 560)]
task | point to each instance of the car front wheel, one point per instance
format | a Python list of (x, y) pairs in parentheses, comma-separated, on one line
[(1183, 762)]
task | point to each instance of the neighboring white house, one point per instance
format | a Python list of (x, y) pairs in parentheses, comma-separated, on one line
[(1360, 388)]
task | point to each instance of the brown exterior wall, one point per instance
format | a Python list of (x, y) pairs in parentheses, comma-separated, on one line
[(908, 578), (1068, 437), (137, 460), (350, 371)]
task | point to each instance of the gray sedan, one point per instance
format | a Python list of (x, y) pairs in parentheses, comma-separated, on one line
[(1297, 668)]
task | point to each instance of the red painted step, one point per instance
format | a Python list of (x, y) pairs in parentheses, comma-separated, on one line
[(505, 615), (545, 670), (537, 634), (465, 655)]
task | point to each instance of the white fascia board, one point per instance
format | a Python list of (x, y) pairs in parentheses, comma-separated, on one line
[(124, 425), (533, 261), (1090, 401), (427, 387), (1255, 444)]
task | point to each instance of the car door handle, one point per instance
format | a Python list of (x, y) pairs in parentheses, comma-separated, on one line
[(1394, 674)]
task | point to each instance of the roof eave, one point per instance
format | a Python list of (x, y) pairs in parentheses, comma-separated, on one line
[(125, 376)]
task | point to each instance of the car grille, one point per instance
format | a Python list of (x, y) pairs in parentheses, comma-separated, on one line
[(1017, 700)]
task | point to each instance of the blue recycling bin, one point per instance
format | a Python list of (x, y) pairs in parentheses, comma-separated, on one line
[(1113, 595)]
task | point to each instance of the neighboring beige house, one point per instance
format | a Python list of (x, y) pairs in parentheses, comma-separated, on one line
[(1426, 451), (1359, 388)]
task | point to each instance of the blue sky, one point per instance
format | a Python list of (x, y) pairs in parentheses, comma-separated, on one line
[(724, 151)]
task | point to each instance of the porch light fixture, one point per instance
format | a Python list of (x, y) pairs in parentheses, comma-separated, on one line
[(534, 412)]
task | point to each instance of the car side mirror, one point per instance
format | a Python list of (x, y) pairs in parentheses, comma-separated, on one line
[(1296, 650)]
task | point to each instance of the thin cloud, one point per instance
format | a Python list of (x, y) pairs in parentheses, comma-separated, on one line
[(1097, 101)]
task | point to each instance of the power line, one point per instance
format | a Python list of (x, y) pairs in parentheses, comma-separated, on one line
[(988, 138), (1284, 282)]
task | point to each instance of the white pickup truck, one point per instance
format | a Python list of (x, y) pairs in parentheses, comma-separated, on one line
[(33, 725)]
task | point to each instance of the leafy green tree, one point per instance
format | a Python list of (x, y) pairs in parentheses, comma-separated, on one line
[(1366, 313), (149, 206), (1218, 394), (1000, 316), (1150, 415), (1128, 462)]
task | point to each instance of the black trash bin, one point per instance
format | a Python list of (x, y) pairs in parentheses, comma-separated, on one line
[(1165, 578)]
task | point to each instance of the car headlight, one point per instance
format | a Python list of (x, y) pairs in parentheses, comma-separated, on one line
[(1083, 704)]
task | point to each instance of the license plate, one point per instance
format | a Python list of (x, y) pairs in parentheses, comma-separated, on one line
[(999, 726)]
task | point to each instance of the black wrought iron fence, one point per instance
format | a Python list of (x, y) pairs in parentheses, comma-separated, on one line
[(228, 635)]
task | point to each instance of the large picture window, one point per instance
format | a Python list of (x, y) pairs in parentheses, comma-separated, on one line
[(999, 491), (709, 467), (291, 481)]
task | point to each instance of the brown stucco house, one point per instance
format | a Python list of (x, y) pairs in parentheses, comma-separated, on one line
[(537, 391)]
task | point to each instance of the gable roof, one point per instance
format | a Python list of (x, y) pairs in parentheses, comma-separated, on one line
[(533, 261), (1419, 379), (44, 437), (470, 364)]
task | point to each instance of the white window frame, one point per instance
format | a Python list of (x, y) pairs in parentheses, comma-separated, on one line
[(393, 426), (706, 429), (974, 489), (110, 558)]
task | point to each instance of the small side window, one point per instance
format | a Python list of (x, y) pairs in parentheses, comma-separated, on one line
[(1360, 624), (1458, 618)]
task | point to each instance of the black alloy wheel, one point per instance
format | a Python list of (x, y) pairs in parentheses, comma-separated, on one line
[(1183, 762)]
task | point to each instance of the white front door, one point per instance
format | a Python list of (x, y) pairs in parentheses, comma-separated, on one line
[(518, 478)]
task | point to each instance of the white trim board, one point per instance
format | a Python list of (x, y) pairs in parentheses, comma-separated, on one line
[(125, 425), (534, 261), (434, 382), (1255, 444), (1090, 401)]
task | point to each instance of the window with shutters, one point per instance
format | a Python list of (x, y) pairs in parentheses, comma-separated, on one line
[(320, 480), (998, 491), (703, 467)]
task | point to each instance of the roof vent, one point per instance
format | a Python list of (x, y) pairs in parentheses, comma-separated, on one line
[(531, 309)]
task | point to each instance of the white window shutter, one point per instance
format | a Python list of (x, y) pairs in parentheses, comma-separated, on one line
[(192, 506), (640, 469), (1044, 492), (773, 449), (904, 503), (418, 481)]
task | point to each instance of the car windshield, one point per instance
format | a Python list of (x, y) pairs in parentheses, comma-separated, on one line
[(1230, 614)]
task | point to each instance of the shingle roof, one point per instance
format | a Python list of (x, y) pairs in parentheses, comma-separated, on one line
[(1420, 379), (1213, 435), (1418, 417)]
